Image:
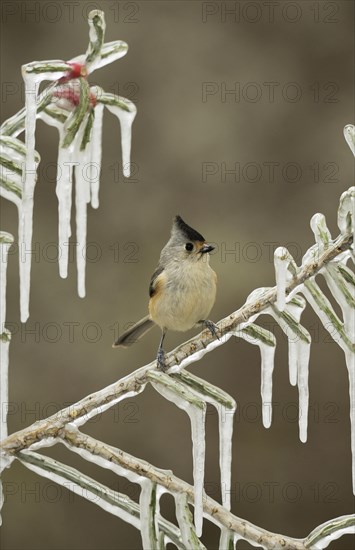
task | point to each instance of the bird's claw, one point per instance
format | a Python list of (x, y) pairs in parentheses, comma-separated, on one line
[(161, 360), (212, 327)]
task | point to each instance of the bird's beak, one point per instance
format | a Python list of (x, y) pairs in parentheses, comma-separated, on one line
[(206, 248)]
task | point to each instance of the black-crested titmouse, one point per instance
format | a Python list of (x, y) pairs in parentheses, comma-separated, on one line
[(182, 289)]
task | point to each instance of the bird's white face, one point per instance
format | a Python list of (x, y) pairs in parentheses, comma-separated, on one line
[(189, 252)]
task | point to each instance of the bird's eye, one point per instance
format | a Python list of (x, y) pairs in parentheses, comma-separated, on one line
[(189, 246)]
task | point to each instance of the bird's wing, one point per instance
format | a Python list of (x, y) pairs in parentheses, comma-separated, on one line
[(153, 281)]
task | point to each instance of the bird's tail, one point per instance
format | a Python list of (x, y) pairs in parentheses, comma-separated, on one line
[(131, 335)]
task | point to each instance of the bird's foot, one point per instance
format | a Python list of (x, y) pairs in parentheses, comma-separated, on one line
[(212, 327), (161, 364)]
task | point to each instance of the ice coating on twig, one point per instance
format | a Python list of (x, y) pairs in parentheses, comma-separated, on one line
[(148, 504), (321, 232), (102, 462), (281, 262), (100, 410), (333, 529), (197, 356), (349, 134), (343, 292), (346, 212), (110, 501)]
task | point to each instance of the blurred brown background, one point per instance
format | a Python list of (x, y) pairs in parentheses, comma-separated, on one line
[(183, 59)]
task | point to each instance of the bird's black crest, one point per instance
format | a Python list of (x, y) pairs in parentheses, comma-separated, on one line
[(188, 231)]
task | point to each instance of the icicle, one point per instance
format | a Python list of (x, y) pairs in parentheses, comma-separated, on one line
[(96, 150), (267, 368), (65, 169), (25, 236), (226, 539), (303, 352), (299, 342), (225, 421), (267, 344), (350, 364), (33, 74), (82, 188), (5, 462), (225, 406), (197, 417), (4, 380), (81, 221), (186, 400), (184, 518), (6, 241), (292, 362), (2, 500), (281, 262), (349, 134), (64, 194), (126, 117), (296, 306)]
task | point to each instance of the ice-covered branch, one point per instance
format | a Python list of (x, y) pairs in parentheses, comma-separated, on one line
[(150, 478), (76, 109), (182, 356), (331, 530), (111, 501), (328, 257), (110, 457)]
